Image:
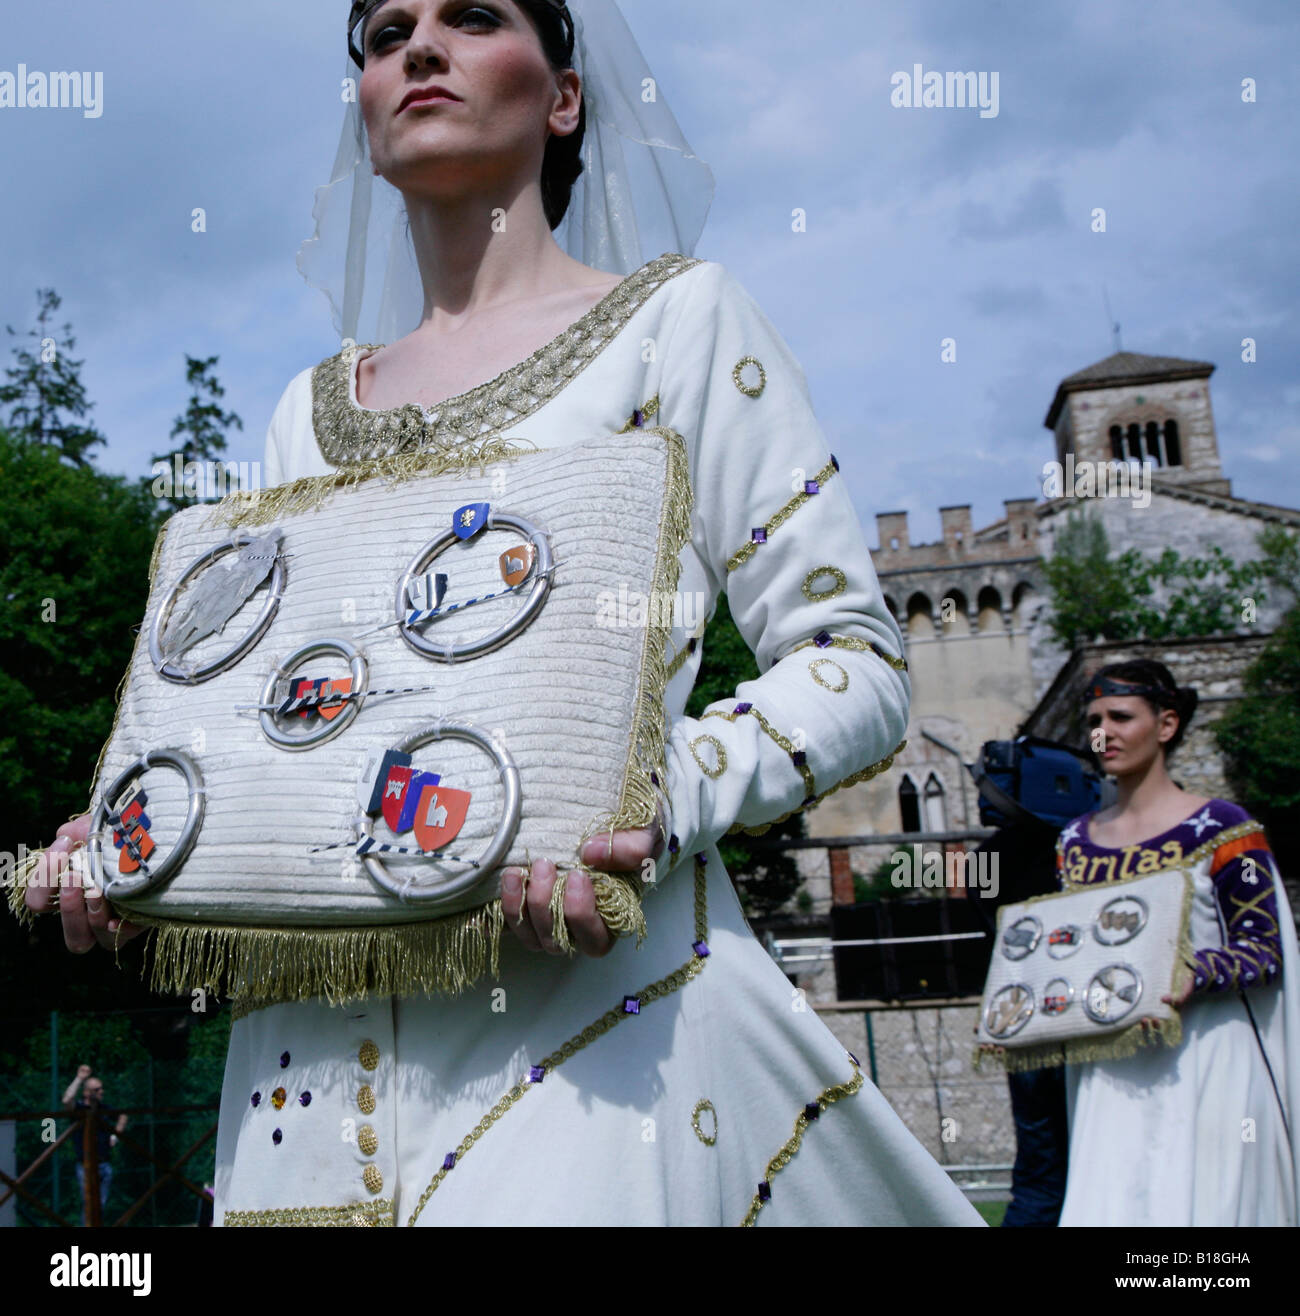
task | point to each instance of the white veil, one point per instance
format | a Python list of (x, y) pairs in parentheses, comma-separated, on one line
[(642, 191)]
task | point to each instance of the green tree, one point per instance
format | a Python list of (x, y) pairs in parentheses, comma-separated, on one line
[(1128, 595), (765, 879), (44, 384), (202, 432), (1259, 733)]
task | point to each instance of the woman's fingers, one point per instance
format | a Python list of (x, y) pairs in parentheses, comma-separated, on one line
[(512, 906), (589, 931), (537, 899), (77, 932), (630, 850)]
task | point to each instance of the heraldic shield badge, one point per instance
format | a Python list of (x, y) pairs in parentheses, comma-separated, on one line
[(1074, 973), (351, 707)]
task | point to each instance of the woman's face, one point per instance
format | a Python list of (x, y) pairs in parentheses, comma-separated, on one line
[(503, 96), (1133, 732)]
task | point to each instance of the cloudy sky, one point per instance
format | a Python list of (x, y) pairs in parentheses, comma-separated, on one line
[(922, 224)]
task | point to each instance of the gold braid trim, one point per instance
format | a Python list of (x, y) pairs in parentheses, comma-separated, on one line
[(18, 888), (649, 733), (680, 657), (610, 1019), (346, 432), (366, 1214), (810, 783), (1125, 1041), (743, 554), (787, 1153), (864, 774), (262, 506), (618, 902), (862, 646), (649, 411)]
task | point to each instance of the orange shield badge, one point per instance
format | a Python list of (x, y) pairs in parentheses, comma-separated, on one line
[(517, 562), (439, 816)]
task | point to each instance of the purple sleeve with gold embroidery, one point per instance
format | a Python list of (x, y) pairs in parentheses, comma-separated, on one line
[(1242, 872)]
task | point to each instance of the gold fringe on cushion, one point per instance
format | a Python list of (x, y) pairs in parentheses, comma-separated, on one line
[(262, 506), (647, 748), (22, 875), (265, 965)]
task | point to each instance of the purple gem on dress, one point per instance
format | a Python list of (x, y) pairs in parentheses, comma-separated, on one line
[(812, 799), (692, 644), (284, 1060), (765, 1191), (800, 758), (823, 639), (702, 857), (701, 948), (256, 1099), (759, 535), (449, 1160), (812, 1110), (811, 487), (834, 463), (638, 418), (674, 844), (654, 777), (305, 1099), (276, 1137), (742, 708), (631, 1005), (536, 1073)]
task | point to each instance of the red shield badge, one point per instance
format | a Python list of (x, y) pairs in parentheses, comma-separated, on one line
[(516, 563), (396, 784), (439, 815)]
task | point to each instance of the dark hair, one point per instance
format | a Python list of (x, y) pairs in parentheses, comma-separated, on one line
[(1160, 691), (562, 162)]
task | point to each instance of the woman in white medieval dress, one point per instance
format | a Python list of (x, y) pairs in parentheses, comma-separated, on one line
[(682, 1081), (1202, 1133)]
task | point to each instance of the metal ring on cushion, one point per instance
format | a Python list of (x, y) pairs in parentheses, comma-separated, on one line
[(330, 727), (497, 847), (169, 671), (451, 653), (117, 887)]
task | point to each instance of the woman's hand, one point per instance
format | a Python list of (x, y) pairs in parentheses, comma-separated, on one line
[(529, 917), (87, 917)]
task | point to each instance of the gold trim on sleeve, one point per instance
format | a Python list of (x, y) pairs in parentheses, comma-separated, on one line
[(744, 553), (822, 681), (701, 1106), (738, 377), (862, 646), (720, 766), (820, 596)]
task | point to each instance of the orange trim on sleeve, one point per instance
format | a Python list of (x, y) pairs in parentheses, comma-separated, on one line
[(1227, 852)]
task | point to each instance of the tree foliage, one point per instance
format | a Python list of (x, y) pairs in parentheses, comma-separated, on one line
[(47, 383), (201, 429), (1097, 595)]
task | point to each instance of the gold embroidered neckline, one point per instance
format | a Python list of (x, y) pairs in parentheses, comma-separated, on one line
[(347, 432)]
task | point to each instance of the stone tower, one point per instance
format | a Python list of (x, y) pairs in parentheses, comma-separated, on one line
[(1148, 408)]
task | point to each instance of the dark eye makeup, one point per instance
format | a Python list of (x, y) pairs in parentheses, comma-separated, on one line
[(473, 16)]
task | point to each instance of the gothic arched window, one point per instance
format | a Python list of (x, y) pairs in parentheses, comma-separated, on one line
[(909, 806), (936, 805)]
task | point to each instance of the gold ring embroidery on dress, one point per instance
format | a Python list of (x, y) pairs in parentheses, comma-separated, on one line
[(702, 1106), (822, 681), (821, 595), (738, 377), (718, 768)]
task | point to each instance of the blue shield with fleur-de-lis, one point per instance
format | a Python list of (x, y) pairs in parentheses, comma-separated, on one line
[(467, 521)]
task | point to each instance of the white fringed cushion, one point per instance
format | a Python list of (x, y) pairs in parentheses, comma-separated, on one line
[(1152, 954), (573, 701)]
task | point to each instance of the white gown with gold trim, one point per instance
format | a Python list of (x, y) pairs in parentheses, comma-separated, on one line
[(724, 1080)]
